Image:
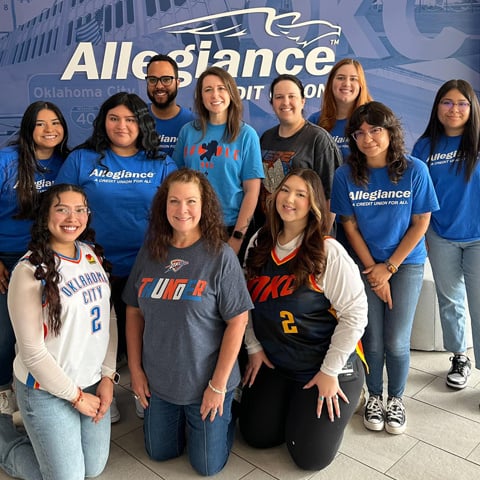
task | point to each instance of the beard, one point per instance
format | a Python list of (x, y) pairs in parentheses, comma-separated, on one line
[(168, 100)]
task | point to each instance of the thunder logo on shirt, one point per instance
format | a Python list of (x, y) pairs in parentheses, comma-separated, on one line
[(171, 288)]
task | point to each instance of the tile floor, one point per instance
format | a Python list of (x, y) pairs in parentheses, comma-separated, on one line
[(442, 441)]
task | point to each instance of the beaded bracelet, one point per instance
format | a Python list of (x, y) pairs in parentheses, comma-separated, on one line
[(78, 399), (216, 390)]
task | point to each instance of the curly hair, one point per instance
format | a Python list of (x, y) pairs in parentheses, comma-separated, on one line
[(310, 258), (469, 149), (147, 137), (160, 233), (378, 115), (28, 164), (43, 257), (235, 109), (328, 115)]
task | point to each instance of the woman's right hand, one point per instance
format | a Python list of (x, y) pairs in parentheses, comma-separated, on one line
[(255, 361), (4, 277), (140, 388), (88, 404)]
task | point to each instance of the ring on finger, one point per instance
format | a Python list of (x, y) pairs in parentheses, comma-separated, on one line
[(320, 398)]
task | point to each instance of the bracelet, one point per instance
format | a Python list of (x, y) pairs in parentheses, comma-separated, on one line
[(216, 390), (79, 398)]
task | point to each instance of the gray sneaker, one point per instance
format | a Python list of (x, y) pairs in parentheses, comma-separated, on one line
[(8, 403), (457, 376)]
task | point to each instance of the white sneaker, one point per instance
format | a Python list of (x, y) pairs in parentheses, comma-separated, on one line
[(114, 412), (139, 409), (8, 402)]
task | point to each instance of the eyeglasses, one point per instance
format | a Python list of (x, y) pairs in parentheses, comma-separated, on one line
[(78, 212), (164, 80), (448, 104), (372, 133)]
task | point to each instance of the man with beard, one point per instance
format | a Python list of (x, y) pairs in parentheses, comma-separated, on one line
[(162, 88)]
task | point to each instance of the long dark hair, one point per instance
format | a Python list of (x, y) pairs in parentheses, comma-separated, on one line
[(235, 109), (378, 115), (28, 164), (469, 149), (310, 258), (43, 257), (147, 137), (160, 233)]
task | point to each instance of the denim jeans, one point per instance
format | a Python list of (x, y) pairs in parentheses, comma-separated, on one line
[(387, 337), (167, 425), (67, 444), (456, 271), (7, 337)]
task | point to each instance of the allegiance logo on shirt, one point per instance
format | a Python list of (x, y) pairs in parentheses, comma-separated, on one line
[(121, 176), (172, 289), (362, 198)]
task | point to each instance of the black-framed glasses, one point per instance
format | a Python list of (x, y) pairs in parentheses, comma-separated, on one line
[(462, 105), (164, 80), (362, 134)]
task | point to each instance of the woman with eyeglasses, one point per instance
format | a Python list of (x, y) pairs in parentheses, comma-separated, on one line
[(28, 166), (384, 199), (450, 146), (59, 302), (120, 168)]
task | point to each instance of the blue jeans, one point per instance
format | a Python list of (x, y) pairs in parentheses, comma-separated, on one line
[(7, 337), (387, 337), (166, 426), (456, 270), (67, 444)]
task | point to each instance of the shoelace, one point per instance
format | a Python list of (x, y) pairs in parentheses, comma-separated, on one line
[(459, 365), (395, 411), (374, 408)]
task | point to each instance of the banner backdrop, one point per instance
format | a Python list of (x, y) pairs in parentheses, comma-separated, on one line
[(76, 53)]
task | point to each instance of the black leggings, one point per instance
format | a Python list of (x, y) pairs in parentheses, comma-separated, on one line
[(276, 409)]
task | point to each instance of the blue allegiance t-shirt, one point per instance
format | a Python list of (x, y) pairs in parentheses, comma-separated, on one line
[(384, 209)]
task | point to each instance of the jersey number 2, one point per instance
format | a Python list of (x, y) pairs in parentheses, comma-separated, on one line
[(289, 323), (96, 323)]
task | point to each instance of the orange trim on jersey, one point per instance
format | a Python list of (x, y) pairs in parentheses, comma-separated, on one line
[(284, 260)]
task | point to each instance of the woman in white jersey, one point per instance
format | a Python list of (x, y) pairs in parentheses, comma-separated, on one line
[(59, 303)]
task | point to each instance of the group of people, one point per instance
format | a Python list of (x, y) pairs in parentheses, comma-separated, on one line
[(200, 236)]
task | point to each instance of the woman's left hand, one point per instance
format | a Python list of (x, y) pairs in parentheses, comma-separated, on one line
[(328, 392), (212, 404), (105, 393)]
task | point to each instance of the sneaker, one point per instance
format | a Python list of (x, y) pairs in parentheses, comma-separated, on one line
[(114, 412), (139, 409), (457, 376), (8, 403), (374, 416), (395, 418)]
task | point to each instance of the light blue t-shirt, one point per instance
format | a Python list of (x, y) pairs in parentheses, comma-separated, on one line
[(15, 234), (383, 210), (337, 133), (226, 164), (168, 129), (458, 218), (120, 191)]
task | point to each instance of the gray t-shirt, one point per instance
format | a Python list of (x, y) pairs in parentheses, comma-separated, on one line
[(186, 302)]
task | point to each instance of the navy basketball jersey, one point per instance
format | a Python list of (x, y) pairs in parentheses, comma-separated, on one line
[(294, 326)]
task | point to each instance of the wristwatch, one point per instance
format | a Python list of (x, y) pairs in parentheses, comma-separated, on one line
[(392, 268), (114, 377), (237, 234)]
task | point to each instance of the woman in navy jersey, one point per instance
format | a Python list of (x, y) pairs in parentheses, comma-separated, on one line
[(28, 166), (450, 146), (303, 378), (65, 365)]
